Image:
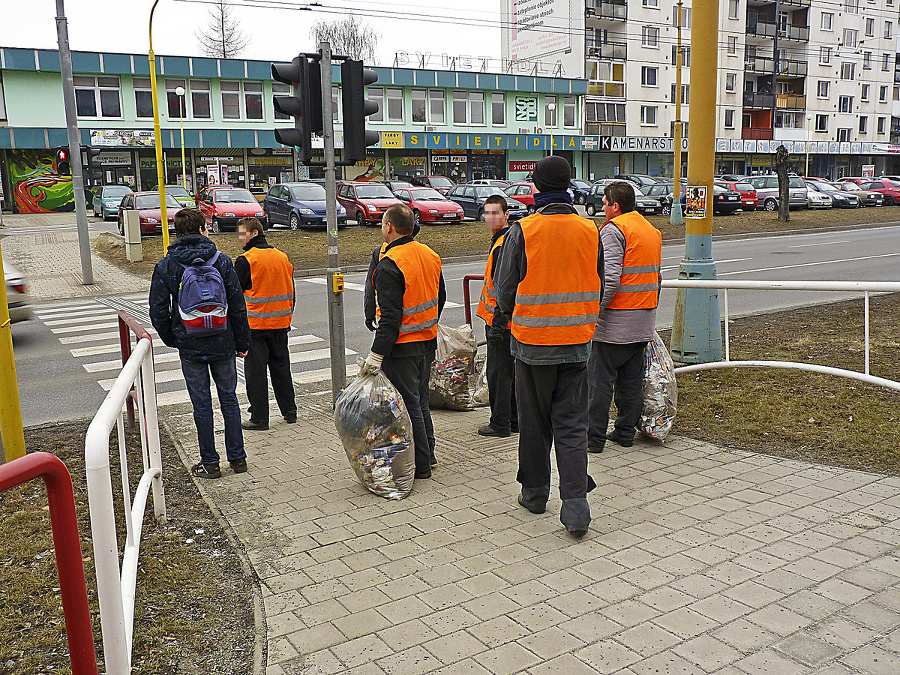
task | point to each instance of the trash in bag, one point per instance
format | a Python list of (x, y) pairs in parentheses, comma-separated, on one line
[(453, 371), (377, 435), (481, 395), (660, 390)]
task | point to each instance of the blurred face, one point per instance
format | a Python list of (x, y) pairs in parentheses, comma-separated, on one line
[(495, 217), (244, 234)]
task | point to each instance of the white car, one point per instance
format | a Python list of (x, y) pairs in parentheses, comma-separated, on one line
[(818, 200), (16, 294)]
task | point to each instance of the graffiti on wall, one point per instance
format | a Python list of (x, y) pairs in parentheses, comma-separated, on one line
[(37, 187)]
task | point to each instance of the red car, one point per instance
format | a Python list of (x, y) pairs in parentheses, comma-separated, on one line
[(889, 188), (223, 206), (147, 204), (430, 206), (523, 192), (366, 202), (748, 192), (440, 183)]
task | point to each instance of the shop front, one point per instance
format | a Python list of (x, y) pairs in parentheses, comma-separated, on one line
[(220, 166), (404, 164), (268, 167), (117, 168), (489, 164)]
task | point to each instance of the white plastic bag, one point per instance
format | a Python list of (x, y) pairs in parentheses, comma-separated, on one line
[(660, 390), (453, 371), (481, 396)]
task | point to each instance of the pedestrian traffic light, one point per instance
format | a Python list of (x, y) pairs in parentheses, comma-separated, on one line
[(305, 106), (354, 78), (62, 162), (93, 169)]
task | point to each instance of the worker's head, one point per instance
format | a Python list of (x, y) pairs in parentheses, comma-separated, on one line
[(618, 198), (551, 174), (496, 213), (397, 221), (247, 228), (189, 221)]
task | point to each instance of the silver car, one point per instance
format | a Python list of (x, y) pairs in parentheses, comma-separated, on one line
[(767, 192), (16, 294)]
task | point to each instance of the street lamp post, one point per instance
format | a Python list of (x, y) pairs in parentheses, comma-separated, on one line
[(179, 92), (808, 124), (157, 137), (552, 108)]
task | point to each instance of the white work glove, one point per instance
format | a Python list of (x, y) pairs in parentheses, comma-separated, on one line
[(372, 364)]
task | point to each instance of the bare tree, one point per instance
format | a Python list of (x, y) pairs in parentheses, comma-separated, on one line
[(349, 36), (222, 38), (781, 169)]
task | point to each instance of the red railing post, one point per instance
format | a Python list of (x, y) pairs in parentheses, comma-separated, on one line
[(125, 347), (67, 544), (467, 298)]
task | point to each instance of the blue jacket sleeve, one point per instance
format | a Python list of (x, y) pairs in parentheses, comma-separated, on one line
[(161, 303)]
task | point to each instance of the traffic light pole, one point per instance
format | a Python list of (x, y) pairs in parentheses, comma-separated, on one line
[(335, 290), (65, 62)]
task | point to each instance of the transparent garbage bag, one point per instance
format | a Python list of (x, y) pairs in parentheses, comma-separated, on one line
[(376, 432), (481, 395), (453, 371), (660, 390)]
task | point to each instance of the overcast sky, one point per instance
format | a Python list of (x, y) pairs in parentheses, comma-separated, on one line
[(274, 34)]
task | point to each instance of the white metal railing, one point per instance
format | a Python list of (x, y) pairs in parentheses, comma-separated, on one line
[(116, 590), (865, 287)]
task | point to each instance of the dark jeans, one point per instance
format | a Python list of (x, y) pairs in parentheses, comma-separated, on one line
[(552, 409), (410, 374), (615, 371), (501, 377), (224, 373), (269, 348)]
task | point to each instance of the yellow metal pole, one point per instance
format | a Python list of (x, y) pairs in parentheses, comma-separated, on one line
[(675, 216), (157, 140), (12, 437)]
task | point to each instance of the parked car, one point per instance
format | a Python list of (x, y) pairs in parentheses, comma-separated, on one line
[(397, 184), (523, 192), (496, 182), (182, 196), (767, 191), (866, 197), (440, 183), (147, 204), (642, 203), (105, 203), (16, 294), (816, 199), (366, 202), (429, 205), (890, 189), (725, 201), (472, 198), (580, 190), (664, 194), (725, 177), (749, 199), (299, 205), (639, 179), (223, 206), (840, 199)]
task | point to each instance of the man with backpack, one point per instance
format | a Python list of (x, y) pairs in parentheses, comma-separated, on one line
[(197, 306)]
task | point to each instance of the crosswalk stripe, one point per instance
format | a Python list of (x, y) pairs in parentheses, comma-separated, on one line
[(360, 287), (46, 311), (304, 340), (75, 329), (322, 375), (78, 319), (75, 339)]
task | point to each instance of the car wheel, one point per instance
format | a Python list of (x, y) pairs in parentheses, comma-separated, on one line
[(418, 217), (214, 227), (480, 217), (529, 209), (579, 199), (295, 222), (590, 209), (666, 210), (771, 205), (889, 201), (360, 218)]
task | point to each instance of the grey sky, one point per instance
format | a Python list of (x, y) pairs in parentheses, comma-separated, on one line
[(277, 34)]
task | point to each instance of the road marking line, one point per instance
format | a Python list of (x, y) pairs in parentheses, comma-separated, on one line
[(76, 320), (322, 375), (41, 311), (821, 243), (75, 329), (304, 340), (360, 287), (811, 264)]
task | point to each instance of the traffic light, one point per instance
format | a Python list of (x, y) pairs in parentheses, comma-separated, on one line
[(62, 162), (305, 106), (93, 169), (354, 78)]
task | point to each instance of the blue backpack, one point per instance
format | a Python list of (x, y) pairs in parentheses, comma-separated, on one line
[(202, 299)]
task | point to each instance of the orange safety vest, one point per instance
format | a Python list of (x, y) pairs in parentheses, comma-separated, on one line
[(421, 269), (639, 284), (558, 301), (488, 300), (270, 302)]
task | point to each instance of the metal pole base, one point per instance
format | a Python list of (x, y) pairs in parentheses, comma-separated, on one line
[(676, 217), (696, 330)]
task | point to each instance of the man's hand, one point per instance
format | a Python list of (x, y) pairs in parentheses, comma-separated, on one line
[(372, 364), (371, 325), (495, 333), (242, 354)]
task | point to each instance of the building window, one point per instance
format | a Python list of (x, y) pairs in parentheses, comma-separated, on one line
[(864, 92), (685, 94), (649, 36), (95, 95), (648, 115), (733, 8), (650, 3), (827, 21), (843, 135), (201, 108), (822, 89), (376, 94), (824, 56), (882, 94), (498, 109), (394, 104), (231, 99), (821, 123), (863, 124), (730, 79), (253, 103), (685, 17), (732, 45), (460, 106), (867, 60), (550, 117), (788, 120), (851, 37), (606, 119), (886, 62), (845, 104), (468, 107), (729, 119), (476, 107), (685, 56), (881, 124), (143, 97), (174, 102), (278, 89), (851, 6), (888, 30), (570, 105), (437, 106), (418, 106), (848, 71), (870, 27), (648, 76)]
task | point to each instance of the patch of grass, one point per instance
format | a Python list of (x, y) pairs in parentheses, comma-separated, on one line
[(193, 610)]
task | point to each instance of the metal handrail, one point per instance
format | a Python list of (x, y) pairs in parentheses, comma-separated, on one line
[(127, 325), (115, 588), (467, 299)]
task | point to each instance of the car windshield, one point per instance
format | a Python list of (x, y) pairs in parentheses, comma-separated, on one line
[(308, 193), (584, 185), (441, 181), (743, 186), (427, 195), (824, 187), (177, 191), (146, 202), (637, 191), (795, 182), (233, 197), (116, 191), (485, 191), (852, 187), (373, 192), (396, 184), (719, 189)]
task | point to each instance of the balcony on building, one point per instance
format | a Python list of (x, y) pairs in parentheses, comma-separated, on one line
[(616, 51), (759, 64), (606, 10), (606, 89), (759, 100), (790, 102), (756, 133)]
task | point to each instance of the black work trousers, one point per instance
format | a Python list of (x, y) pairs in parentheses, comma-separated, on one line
[(269, 351), (615, 371), (410, 374), (501, 377), (552, 409)]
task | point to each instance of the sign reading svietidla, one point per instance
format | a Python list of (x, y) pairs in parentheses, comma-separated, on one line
[(391, 139)]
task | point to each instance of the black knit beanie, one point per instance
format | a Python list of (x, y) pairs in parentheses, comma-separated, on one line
[(552, 173)]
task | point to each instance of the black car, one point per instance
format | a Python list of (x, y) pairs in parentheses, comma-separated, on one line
[(840, 199), (642, 203), (473, 197), (297, 205), (580, 190), (663, 192), (725, 201), (640, 179)]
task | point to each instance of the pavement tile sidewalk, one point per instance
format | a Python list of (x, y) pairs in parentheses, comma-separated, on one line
[(700, 559)]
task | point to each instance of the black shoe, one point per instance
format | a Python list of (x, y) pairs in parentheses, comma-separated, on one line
[(250, 425), (514, 428), (433, 460), (239, 465), (201, 470), (423, 474), (488, 430), (578, 534), (534, 509), (290, 419), (621, 440), (596, 447)]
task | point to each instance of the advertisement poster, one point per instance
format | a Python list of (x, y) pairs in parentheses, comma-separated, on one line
[(212, 175), (36, 186), (868, 171), (115, 138), (696, 202)]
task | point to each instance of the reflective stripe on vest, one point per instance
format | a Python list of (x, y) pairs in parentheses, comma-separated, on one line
[(270, 302), (558, 301), (639, 284), (488, 300), (421, 269)]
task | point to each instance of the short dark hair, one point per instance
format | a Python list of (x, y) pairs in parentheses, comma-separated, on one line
[(401, 217), (498, 199), (621, 193), (251, 224), (189, 221)]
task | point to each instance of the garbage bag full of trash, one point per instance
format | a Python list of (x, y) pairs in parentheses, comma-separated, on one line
[(453, 371), (660, 390), (377, 435)]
